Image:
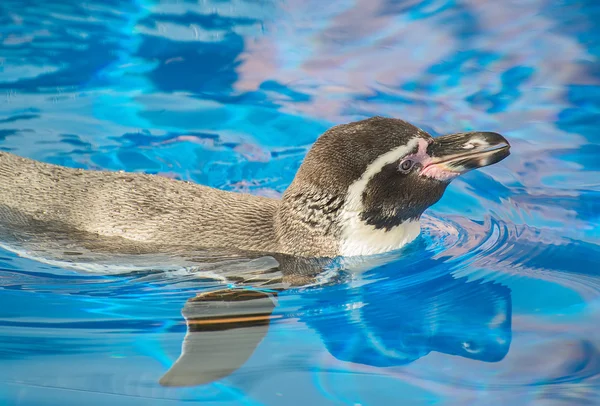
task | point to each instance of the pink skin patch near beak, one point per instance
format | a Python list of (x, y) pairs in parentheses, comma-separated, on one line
[(430, 168), (438, 172)]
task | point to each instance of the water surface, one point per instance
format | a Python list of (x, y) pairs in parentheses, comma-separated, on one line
[(497, 303)]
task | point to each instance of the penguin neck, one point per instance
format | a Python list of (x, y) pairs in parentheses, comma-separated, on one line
[(360, 236), (314, 223), (306, 223), (361, 239)]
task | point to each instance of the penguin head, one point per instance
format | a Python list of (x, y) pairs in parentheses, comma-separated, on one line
[(373, 176)]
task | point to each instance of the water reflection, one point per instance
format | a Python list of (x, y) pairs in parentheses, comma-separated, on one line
[(373, 311), (396, 326), (382, 324), (224, 329), (420, 316)]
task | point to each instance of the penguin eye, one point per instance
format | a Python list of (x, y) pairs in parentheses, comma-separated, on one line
[(406, 165)]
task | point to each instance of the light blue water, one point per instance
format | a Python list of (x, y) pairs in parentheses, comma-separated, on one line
[(499, 301)]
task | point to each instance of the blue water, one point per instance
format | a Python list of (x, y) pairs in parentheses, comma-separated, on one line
[(497, 303)]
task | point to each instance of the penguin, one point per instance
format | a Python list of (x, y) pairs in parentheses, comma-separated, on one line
[(360, 191)]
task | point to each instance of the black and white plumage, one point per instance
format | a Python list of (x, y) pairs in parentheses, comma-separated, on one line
[(360, 190)]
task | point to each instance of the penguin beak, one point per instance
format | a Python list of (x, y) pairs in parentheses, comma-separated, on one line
[(454, 154)]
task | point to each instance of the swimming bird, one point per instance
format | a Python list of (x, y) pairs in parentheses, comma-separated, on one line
[(360, 190)]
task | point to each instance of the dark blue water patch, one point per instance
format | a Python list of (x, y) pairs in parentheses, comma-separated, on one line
[(517, 75), (25, 111), (211, 21), (19, 117), (389, 323), (578, 19), (454, 17), (477, 181), (580, 121), (511, 80), (274, 86), (584, 205), (4, 133), (451, 71), (269, 94), (586, 97), (586, 155), (267, 126), (585, 118), (206, 66), (79, 61), (255, 98), (215, 150), (575, 257), (457, 61), (461, 22), (75, 140), (379, 96), (416, 11)]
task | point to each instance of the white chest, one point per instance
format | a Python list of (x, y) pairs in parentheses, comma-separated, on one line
[(359, 238)]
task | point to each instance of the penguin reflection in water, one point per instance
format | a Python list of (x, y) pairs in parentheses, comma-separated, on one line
[(360, 191), (391, 322)]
